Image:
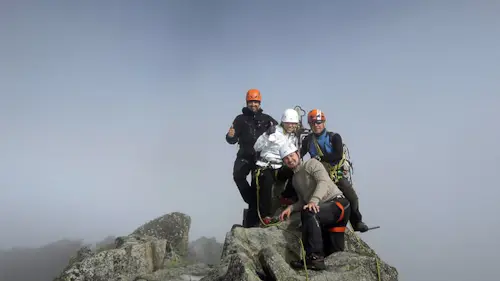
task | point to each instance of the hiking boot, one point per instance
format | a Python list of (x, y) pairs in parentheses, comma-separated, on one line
[(313, 262), (360, 226)]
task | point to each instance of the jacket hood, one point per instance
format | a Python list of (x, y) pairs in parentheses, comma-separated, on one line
[(247, 111)]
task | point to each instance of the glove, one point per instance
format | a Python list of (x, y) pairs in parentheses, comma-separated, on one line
[(266, 220), (270, 220)]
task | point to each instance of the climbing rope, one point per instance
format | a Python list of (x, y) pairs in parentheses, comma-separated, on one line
[(303, 252)]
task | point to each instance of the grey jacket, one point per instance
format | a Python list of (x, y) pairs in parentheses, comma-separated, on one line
[(313, 184)]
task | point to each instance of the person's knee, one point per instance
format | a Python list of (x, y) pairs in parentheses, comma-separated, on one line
[(305, 214), (239, 174), (345, 219), (241, 167), (347, 189)]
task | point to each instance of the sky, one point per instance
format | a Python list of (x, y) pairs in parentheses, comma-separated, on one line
[(113, 113)]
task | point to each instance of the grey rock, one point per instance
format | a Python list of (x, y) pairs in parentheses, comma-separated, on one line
[(153, 252), (257, 254), (173, 227)]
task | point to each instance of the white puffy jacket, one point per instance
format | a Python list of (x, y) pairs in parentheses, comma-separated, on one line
[(269, 147)]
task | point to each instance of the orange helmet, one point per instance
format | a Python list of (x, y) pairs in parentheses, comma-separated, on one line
[(315, 115), (254, 95)]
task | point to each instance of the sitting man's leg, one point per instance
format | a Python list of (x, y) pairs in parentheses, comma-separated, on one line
[(334, 235), (312, 232)]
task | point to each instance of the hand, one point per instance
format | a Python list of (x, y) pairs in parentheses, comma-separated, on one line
[(231, 132), (312, 207), (286, 213)]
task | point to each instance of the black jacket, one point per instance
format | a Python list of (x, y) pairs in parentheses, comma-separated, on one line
[(248, 127), (336, 144)]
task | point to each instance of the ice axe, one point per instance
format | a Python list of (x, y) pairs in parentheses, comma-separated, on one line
[(301, 132), (373, 227)]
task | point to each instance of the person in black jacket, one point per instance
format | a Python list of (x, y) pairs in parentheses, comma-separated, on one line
[(245, 130)]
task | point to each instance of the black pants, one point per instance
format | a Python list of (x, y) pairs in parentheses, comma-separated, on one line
[(285, 174), (266, 179), (242, 167), (322, 232), (346, 187)]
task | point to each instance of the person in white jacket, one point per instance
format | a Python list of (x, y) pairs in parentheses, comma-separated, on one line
[(270, 165)]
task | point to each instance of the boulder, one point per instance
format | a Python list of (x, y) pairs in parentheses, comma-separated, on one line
[(153, 252), (256, 254), (173, 227)]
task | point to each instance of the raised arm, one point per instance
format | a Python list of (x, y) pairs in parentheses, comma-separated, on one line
[(237, 131), (338, 147)]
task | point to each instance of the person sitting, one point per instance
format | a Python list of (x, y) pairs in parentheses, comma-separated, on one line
[(324, 209)]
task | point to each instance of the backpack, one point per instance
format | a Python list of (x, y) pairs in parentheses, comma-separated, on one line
[(344, 168)]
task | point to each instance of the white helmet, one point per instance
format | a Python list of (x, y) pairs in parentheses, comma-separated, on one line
[(287, 149), (290, 116)]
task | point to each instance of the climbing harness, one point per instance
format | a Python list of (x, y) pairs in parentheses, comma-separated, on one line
[(336, 171)]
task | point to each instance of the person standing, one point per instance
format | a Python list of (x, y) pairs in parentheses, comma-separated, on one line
[(244, 131)]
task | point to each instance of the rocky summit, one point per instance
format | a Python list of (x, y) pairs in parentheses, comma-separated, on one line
[(158, 251), (264, 254)]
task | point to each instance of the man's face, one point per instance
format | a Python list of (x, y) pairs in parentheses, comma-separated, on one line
[(253, 105), (290, 127), (292, 160), (317, 127)]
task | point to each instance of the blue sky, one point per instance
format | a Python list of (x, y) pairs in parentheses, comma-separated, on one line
[(114, 113)]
